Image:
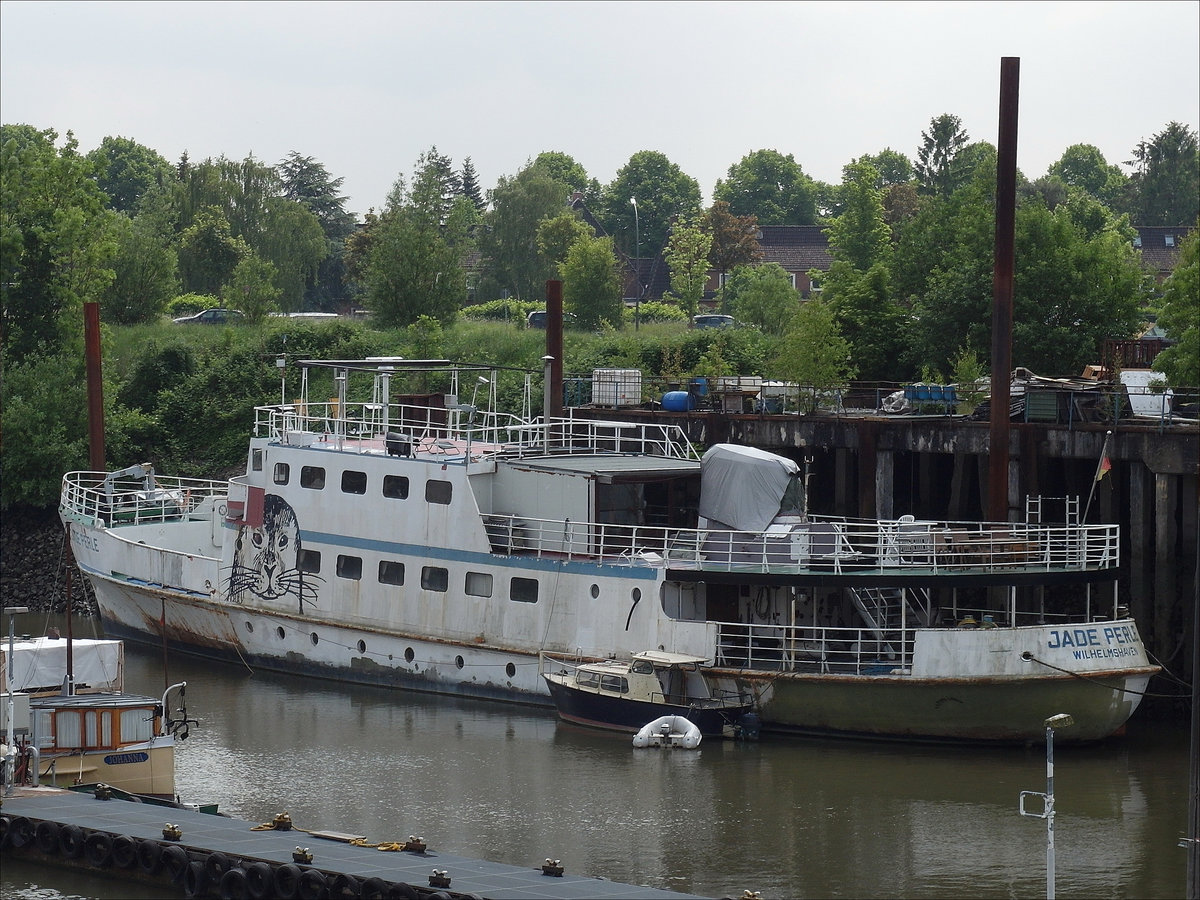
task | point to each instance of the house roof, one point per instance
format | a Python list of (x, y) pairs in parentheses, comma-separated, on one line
[(796, 248), (1159, 246)]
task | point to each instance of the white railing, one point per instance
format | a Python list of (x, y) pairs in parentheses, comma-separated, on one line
[(826, 544), (792, 648), (85, 497)]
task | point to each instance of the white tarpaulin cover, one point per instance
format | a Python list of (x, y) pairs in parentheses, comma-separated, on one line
[(41, 664), (742, 487)]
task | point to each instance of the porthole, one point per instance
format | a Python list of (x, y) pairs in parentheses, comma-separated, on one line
[(459, 661), (595, 591), (636, 594), (313, 637), (408, 654), (250, 628), (362, 646), (279, 631), (510, 670)]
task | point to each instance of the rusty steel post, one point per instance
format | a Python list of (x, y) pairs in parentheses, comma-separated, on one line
[(1002, 290), (554, 345), (95, 385)]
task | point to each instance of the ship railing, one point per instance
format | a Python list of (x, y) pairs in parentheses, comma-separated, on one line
[(839, 546), (94, 497), (798, 648), (359, 426)]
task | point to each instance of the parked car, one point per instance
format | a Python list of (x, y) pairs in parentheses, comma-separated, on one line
[(212, 317), (712, 320), (537, 319)]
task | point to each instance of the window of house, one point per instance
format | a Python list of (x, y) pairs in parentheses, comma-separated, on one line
[(282, 473), (354, 482), (479, 584), (435, 578), (391, 572), (1169, 240), (438, 492), (523, 590), (309, 561), (349, 567), (395, 487), (312, 477)]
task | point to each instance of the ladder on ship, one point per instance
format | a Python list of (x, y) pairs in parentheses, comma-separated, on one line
[(888, 612)]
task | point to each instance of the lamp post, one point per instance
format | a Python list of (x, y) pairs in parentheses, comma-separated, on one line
[(1062, 720), (637, 266), (10, 756)]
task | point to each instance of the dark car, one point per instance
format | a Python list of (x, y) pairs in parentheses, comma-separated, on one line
[(537, 319), (712, 320), (212, 317)]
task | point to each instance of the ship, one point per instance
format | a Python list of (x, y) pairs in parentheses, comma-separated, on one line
[(386, 532)]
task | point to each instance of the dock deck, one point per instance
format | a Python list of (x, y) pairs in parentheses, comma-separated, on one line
[(215, 842)]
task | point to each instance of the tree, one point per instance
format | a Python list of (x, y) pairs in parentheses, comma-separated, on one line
[(813, 354), (252, 288), (1083, 167), (1179, 316), (125, 170), (771, 187), (860, 235), (687, 256), (556, 236), (894, 167), (208, 253), (662, 191), (937, 168), (295, 246), (508, 246), (592, 282), (734, 239), (1166, 184), (468, 180), (144, 269), (55, 240), (563, 168), (762, 296)]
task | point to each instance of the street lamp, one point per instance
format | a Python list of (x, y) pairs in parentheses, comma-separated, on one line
[(1062, 720), (637, 266), (10, 756)]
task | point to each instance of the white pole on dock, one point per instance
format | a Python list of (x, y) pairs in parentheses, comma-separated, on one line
[(1062, 720)]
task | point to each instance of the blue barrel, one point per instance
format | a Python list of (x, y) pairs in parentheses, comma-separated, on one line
[(700, 387), (678, 401)]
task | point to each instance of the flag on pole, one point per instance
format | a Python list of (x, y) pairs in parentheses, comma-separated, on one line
[(1105, 467)]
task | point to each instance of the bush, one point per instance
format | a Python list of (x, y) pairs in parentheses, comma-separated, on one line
[(189, 304)]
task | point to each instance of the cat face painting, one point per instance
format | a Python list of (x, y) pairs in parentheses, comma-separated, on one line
[(266, 558)]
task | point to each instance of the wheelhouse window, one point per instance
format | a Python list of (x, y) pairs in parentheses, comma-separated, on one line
[(349, 567), (617, 683), (354, 482), (281, 473), (391, 572), (312, 477), (479, 584), (256, 456), (523, 590), (309, 561), (438, 492), (395, 487), (435, 578)]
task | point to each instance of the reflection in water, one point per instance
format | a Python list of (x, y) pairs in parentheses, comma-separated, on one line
[(789, 818)]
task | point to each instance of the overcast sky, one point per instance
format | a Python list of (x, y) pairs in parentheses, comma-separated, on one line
[(365, 88)]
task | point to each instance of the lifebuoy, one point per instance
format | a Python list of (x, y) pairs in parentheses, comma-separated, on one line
[(124, 852), (45, 835), (149, 857), (345, 885), (374, 889), (260, 881), (175, 861), (313, 885), (98, 848), (70, 841), (20, 832), (287, 881), (216, 865), (233, 885), (195, 879)]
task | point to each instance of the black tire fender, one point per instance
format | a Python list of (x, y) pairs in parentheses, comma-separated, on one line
[(175, 861), (124, 852), (287, 881), (20, 833), (98, 849), (261, 882), (402, 890), (233, 884), (45, 836), (149, 857), (70, 841), (216, 865), (195, 879), (313, 885), (5, 824), (374, 889), (345, 886)]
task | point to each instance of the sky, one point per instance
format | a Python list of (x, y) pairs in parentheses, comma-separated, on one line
[(366, 88)]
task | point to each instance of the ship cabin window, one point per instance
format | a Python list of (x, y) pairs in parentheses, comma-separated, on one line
[(523, 590), (479, 584), (435, 578), (395, 487), (391, 572), (312, 477), (256, 460), (587, 679), (642, 667), (136, 725), (438, 492), (309, 561), (616, 683), (282, 473), (354, 482), (349, 567)]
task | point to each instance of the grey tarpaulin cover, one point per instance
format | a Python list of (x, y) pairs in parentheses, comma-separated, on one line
[(742, 487)]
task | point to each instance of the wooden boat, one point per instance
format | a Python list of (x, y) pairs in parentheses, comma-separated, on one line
[(623, 695), (393, 535)]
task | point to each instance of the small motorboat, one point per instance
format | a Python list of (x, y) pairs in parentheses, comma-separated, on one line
[(623, 695), (669, 731)]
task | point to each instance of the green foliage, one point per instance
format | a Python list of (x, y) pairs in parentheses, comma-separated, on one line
[(762, 296), (252, 288), (1165, 188), (187, 304), (208, 253), (734, 238), (144, 270), (860, 235), (555, 236), (938, 168), (513, 311), (687, 256), (658, 311), (968, 375), (1179, 316), (511, 261), (592, 282), (814, 354), (125, 170), (663, 192), (771, 187)]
